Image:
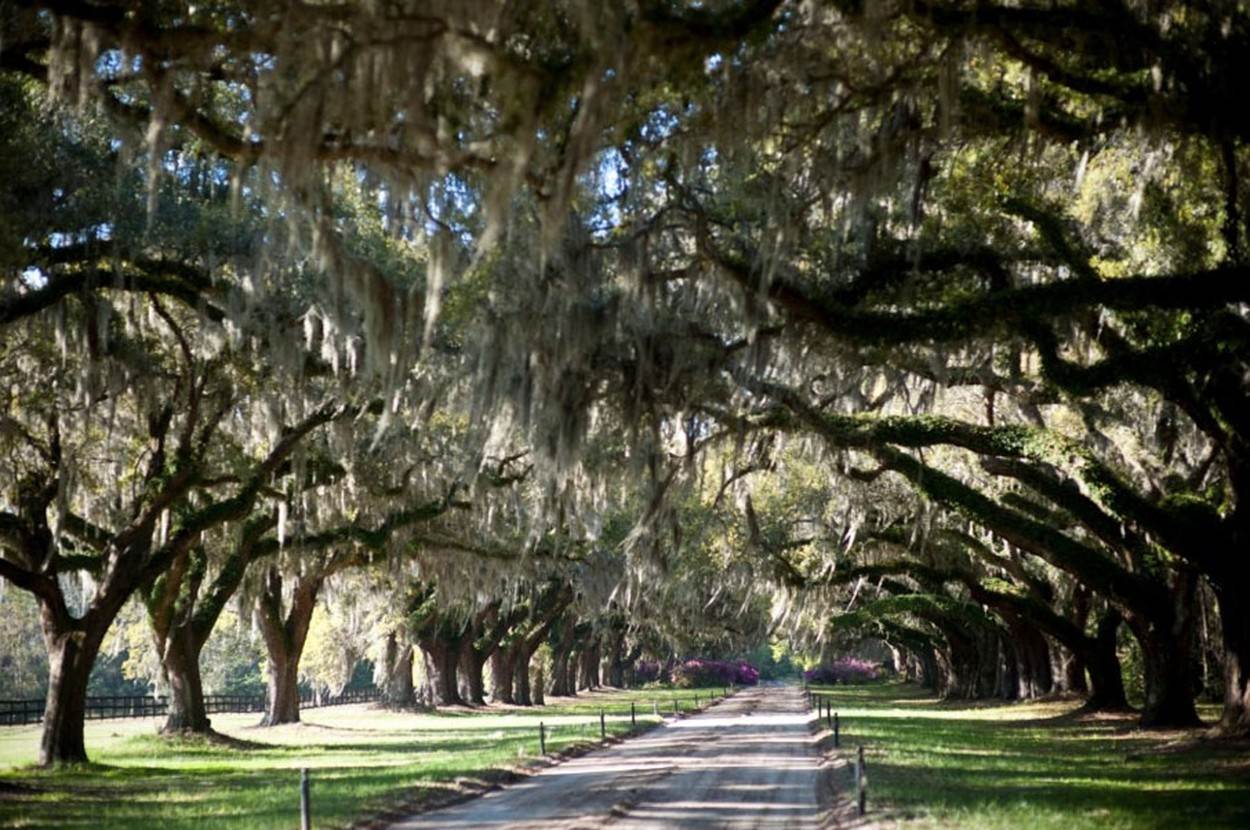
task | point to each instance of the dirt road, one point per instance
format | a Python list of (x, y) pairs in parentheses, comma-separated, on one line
[(749, 761)]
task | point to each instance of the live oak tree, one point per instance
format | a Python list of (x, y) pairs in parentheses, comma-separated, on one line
[(971, 246)]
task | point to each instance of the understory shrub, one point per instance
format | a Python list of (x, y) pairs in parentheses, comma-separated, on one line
[(647, 671), (694, 674), (844, 670)]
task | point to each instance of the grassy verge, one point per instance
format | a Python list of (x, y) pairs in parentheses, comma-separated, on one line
[(362, 761), (1036, 765)]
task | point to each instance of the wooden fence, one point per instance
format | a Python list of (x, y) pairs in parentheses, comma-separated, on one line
[(21, 712)]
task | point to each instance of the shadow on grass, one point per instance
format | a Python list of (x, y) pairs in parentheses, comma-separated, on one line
[(1039, 769)]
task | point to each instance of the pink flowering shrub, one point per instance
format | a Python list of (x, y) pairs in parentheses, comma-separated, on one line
[(694, 674), (844, 670)]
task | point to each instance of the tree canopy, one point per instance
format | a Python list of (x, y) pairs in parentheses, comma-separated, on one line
[(589, 331)]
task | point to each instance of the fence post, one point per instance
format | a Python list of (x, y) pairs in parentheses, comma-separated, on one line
[(542, 739), (837, 728), (305, 809), (603, 726), (696, 701), (675, 709), (829, 713), (633, 717), (861, 781), (655, 705)]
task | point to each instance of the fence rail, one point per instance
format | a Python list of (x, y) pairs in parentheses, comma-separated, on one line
[(99, 707)]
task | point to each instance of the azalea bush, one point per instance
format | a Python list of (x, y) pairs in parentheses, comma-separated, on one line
[(694, 674), (844, 670)]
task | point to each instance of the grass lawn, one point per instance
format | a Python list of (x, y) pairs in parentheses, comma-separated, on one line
[(362, 761), (1036, 765)]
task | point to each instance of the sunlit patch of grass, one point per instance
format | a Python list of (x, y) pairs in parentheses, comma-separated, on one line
[(362, 761), (1035, 765)]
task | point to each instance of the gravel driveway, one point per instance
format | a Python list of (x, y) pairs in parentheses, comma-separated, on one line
[(749, 761)]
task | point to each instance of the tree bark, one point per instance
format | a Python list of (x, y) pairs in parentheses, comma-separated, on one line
[(71, 655), (588, 666), (281, 690), (442, 657), (472, 662), (564, 637), (1235, 628), (1010, 666), (501, 669), (521, 676), (398, 691), (1106, 681), (1166, 640), (486, 630), (171, 605), (1033, 656), (181, 666), (537, 682), (1070, 673), (620, 673), (285, 636)]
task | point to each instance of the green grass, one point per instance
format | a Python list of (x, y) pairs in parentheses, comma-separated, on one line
[(1036, 765), (362, 761)]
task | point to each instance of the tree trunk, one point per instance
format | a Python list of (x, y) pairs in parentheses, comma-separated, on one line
[(560, 681), (285, 636), (620, 671), (615, 659), (963, 663), (1011, 666), (1168, 679), (941, 671), (1071, 674), (588, 670), (989, 654), (562, 642), (398, 691), (71, 655), (521, 677), (181, 666), (501, 667), (471, 664), (1106, 682), (536, 686), (281, 689), (441, 660), (1033, 654), (1069, 669), (1235, 627)]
